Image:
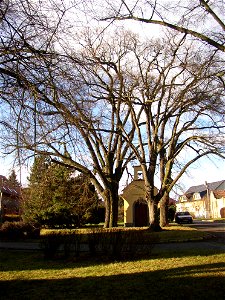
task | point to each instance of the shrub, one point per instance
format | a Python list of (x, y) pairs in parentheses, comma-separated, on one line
[(113, 244), (15, 230), (94, 215), (118, 244), (58, 216), (11, 218), (171, 212), (62, 243), (11, 230), (50, 245)]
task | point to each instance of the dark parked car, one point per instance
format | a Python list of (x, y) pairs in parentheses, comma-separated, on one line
[(183, 217)]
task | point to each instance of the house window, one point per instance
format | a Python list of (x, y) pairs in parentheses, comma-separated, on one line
[(196, 196), (183, 198)]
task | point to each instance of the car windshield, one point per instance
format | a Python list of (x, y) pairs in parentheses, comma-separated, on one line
[(185, 213)]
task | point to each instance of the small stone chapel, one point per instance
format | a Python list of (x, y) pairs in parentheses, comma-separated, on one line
[(135, 206)]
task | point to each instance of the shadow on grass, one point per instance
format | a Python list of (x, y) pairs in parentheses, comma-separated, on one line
[(192, 282), (13, 260)]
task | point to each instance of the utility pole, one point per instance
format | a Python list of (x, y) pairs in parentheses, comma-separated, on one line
[(207, 202)]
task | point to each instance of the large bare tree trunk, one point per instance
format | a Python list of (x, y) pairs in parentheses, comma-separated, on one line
[(107, 210), (164, 204), (153, 212), (111, 199), (153, 216), (114, 210)]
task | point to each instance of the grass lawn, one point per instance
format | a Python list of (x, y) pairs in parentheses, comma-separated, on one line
[(191, 274), (187, 275)]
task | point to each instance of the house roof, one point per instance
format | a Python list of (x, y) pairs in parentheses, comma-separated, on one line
[(201, 188), (2, 179), (9, 191), (219, 194), (4, 188)]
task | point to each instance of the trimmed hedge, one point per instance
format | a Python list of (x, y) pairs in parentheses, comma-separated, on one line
[(113, 244), (11, 218)]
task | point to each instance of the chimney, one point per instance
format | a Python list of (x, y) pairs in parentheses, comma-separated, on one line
[(138, 173)]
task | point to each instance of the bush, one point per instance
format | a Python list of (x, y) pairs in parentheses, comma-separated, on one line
[(58, 216), (64, 243), (62, 216), (50, 245), (15, 230), (113, 244), (118, 243), (94, 215), (171, 212), (11, 218)]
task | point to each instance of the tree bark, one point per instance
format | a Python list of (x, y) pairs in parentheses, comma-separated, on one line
[(111, 198), (153, 215), (164, 205), (114, 210), (107, 209)]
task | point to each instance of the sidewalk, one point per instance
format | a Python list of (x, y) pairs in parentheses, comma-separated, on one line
[(191, 245), (170, 246), (20, 245)]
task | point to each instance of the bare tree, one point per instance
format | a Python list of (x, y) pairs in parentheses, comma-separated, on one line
[(99, 103), (200, 19), (173, 97), (180, 97), (62, 105)]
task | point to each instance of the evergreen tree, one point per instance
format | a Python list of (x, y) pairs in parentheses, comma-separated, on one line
[(12, 181), (55, 197)]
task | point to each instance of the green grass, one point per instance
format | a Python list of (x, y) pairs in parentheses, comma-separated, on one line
[(186, 275), (181, 233), (190, 274)]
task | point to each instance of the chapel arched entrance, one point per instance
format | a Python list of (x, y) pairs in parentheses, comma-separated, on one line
[(141, 215)]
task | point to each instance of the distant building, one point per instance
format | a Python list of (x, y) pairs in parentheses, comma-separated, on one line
[(204, 201), (9, 199)]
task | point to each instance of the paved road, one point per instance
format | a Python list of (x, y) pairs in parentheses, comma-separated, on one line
[(216, 243), (216, 229)]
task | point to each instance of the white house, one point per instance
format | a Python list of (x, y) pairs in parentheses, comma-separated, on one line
[(204, 201)]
